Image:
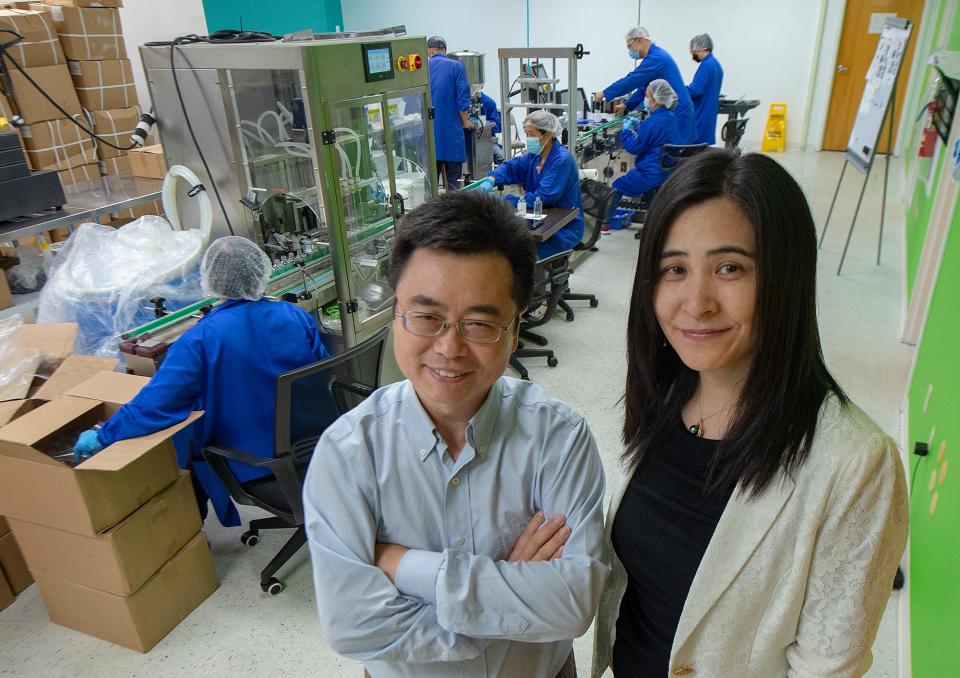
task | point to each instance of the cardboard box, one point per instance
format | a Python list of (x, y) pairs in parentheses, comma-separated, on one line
[(73, 371), (85, 3), (141, 620), (114, 166), (148, 162), (123, 558), (100, 491), (155, 208), (13, 564), (58, 145), (88, 33), (40, 46), (11, 409), (79, 177), (36, 348), (6, 594), (102, 85), (6, 299), (53, 340), (4, 526), (55, 81), (115, 126)]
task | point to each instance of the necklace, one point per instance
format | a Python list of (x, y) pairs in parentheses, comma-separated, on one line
[(698, 429)]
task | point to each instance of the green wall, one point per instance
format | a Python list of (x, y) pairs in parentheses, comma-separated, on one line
[(935, 535), (273, 16)]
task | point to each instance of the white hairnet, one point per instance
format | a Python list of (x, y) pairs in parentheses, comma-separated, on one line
[(545, 122), (234, 268), (637, 32), (661, 92), (700, 42)]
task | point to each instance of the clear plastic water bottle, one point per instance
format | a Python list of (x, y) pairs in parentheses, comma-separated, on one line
[(522, 207), (538, 207)]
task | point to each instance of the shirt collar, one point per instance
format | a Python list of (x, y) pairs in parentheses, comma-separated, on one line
[(422, 434)]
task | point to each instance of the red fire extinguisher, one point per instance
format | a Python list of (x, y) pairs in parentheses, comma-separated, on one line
[(928, 137)]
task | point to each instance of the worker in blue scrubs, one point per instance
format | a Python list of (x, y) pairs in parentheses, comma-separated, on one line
[(705, 89), (450, 94), (226, 365), (644, 139), (656, 64), (548, 171), (488, 109)]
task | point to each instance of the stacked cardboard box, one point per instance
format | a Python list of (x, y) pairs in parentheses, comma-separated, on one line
[(114, 542), (15, 577)]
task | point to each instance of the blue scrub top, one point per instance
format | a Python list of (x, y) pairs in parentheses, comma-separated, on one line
[(450, 94), (226, 365), (657, 64), (705, 93), (658, 129), (557, 184), (488, 107)]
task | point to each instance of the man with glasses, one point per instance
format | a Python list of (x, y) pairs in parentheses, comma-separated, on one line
[(455, 518)]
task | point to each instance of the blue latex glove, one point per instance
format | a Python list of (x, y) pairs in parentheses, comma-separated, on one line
[(630, 123), (486, 185), (87, 445)]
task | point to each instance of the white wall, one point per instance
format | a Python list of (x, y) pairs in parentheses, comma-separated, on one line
[(157, 20), (766, 47)]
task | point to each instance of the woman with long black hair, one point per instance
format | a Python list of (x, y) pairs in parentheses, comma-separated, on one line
[(758, 524)]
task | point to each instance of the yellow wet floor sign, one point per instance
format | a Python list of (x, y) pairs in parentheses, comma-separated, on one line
[(775, 133)]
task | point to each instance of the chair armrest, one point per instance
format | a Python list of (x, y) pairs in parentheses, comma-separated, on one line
[(283, 469), (241, 456)]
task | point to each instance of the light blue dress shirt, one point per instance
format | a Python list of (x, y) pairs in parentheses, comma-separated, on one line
[(382, 473)]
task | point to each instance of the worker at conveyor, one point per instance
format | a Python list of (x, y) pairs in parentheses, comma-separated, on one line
[(704, 90), (547, 171), (644, 140), (656, 64), (226, 365)]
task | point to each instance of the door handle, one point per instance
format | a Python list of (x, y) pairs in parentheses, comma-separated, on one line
[(841, 68)]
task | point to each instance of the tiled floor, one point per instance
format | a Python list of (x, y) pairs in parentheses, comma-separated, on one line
[(240, 631)]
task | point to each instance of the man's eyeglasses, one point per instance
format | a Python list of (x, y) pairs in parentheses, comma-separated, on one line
[(476, 331)]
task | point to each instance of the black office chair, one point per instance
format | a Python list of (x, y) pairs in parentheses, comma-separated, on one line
[(308, 400), (671, 156), (731, 133), (551, 276), (596, 198)]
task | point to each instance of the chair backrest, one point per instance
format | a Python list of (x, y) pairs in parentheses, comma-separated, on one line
[(551, 280), (732, 130), (596, 198), (671, 155), (312, 397)]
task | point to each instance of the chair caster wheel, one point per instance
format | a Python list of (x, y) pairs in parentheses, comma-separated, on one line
[(273, 587), (594, 303), (569, 317), (250, 538), (552, 362)]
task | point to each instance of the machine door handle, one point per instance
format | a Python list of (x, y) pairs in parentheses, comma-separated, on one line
[(399, 205), (841, 68)]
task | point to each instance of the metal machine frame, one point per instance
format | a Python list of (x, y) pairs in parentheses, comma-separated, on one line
[(346, 83)]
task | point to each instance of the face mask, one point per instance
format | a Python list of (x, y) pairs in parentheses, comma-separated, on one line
[(696, 58), (633, 54), (534, 146)]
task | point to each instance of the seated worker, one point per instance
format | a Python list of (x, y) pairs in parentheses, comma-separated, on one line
[(704, 90), (644, 139), (548, 171), (226, 365), (423, 503), (488, 108)]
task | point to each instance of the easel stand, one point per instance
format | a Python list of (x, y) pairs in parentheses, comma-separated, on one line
[(889, 116)]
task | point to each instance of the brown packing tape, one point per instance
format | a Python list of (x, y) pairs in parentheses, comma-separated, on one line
[(40, 46)]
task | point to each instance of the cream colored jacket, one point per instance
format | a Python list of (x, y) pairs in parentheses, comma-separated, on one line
[(793, 583)]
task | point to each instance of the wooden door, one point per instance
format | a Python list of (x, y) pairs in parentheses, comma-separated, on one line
[(857, 46)]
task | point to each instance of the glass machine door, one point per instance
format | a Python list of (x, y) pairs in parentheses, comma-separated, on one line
[(408, 133), (364, 187)]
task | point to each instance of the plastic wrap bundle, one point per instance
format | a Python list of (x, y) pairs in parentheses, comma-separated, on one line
[(18, 362), (103, 279)]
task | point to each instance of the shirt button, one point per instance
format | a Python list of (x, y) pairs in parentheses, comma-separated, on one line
[(455, 481), (682, 670), (460, 541)]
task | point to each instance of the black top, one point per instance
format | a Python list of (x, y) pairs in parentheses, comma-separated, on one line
[(660, 533)]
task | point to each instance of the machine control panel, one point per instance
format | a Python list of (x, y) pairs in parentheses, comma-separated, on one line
[(378, 61)]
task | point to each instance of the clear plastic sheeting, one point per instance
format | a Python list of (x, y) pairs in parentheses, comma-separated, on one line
[(18, 363), (104, 279), (29, 275)]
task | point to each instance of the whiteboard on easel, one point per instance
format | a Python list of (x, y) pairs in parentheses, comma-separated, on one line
[(880, 80)]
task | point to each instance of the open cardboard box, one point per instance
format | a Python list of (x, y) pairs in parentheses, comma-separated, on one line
[(100, 491), (141, 620), (13, 564), (124, 557)]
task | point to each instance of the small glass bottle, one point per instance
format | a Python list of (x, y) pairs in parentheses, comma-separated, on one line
[(538, 207), (522, 207)]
